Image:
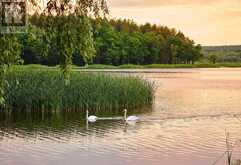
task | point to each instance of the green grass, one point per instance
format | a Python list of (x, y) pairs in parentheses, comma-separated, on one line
[(132, 66), (160, 66), (42, 88), (35, 66), (95, 66)]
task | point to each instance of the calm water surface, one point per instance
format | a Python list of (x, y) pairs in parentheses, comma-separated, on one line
[(192, 110)]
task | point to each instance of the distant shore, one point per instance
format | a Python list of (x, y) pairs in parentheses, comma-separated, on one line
[(150, 66), (159, 66)]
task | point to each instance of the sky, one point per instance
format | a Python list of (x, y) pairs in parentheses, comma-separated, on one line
[(207, 22)]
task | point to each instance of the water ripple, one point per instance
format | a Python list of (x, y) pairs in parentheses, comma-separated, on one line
[(192, 110)]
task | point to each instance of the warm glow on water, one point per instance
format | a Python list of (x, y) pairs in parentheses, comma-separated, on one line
[(193, 107)]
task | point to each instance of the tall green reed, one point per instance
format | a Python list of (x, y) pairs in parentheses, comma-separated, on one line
[(45, 89)]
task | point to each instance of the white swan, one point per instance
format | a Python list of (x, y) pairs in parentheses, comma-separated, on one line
[(91, 119), (129, 118)]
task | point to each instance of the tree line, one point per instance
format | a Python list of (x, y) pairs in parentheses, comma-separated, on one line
[(106, 41), (222, 54)]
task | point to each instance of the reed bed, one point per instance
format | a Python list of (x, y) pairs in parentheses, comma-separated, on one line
[(45, 89)]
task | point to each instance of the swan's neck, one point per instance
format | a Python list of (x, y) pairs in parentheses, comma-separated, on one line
[(125, 115), (87, 114)]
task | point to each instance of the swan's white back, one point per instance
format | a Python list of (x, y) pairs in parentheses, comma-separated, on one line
[(132, 118), (129, 118), (92, 118)]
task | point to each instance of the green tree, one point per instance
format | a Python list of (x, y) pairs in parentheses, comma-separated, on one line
[(134, 47), (116, 42), (9, 54), (34, 47), (212, 58), (153, 44), (105, 42), (67, 26)]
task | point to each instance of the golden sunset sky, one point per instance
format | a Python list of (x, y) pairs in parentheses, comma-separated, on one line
[(208, 22)]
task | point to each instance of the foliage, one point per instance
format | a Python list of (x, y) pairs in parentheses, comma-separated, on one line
[(67, 28), (224, 54), (34, 47), (9, 54), (110, 42), (212, 58), (70, 34), (123, 42), (227, 48), (225, 57), (45, 90)]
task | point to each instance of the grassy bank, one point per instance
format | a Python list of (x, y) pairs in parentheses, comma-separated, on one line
[(132, 66), (160, 66), (44, 89)]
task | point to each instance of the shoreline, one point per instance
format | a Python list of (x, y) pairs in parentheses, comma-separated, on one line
[(151, 70)]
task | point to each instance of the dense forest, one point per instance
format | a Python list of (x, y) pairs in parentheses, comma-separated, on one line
[(116, 42)]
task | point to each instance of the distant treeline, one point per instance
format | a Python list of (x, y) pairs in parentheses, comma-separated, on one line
[(228, 48), (223, 54), (116, 42)]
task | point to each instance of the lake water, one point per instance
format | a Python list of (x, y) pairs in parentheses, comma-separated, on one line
[(192, 111)]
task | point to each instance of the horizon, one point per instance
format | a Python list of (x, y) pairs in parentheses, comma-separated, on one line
[(207, 22)]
